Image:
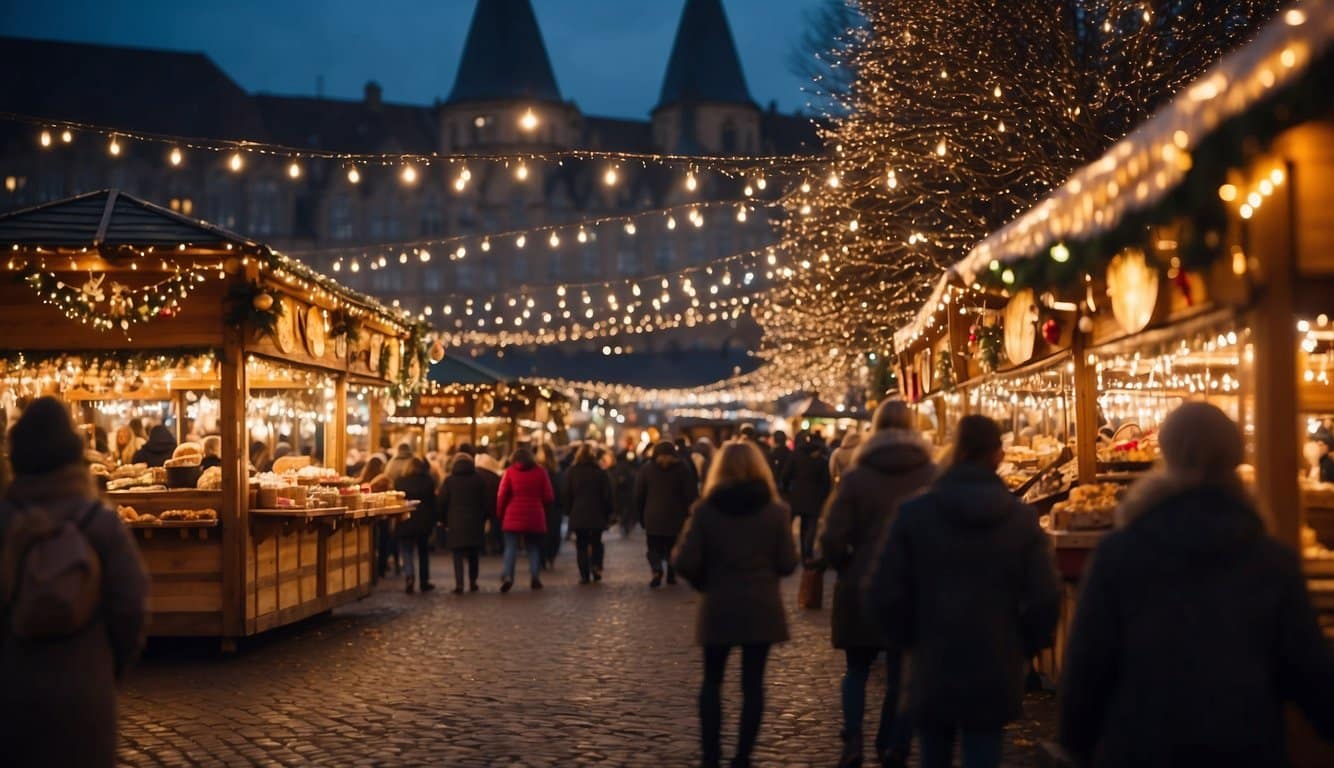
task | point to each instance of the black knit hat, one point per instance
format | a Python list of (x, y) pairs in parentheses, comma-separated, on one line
[(44, 439)]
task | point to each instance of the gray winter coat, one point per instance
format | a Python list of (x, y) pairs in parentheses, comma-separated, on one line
[(587, 496), (893, 465), (58, 698), (664, 491), (967, 582), (1193, 631), (734, 551), (467, 499)]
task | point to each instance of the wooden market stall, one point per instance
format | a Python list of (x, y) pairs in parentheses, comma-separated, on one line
[(1193, 261), (463, 401), (115, 303)]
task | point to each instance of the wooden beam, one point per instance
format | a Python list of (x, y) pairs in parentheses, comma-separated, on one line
[(105, 223), (235, 479), (1086, 410)]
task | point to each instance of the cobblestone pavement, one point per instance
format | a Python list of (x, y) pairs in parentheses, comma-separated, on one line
[(570, 676)]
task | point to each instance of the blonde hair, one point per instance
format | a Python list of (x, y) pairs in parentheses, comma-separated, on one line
[(739, 461)]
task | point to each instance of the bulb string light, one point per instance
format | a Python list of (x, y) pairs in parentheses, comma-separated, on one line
[(729, 165)]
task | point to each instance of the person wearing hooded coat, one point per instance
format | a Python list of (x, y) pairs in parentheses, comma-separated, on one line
[(893, 464), (805, 481), (966, 583), (58, 696), (399, 464), (841, 458), (587, 494), (735, 549), (467, 501), (522, 502), (664, 491), (159, 448), (489, 469), (1194, 627), (414, 533)]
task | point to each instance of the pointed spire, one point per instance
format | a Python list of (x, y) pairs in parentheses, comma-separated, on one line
[(704, 64), (504, 57)]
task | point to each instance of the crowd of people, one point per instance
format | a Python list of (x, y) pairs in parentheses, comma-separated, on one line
[(1194, 629)]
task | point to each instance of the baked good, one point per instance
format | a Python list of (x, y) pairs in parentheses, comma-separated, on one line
[(187, 449), (188, 460), (210, 479)]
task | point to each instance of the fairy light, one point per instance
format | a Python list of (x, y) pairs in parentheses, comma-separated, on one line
[(408, 174), (114, 147), (44, 138), (521, 172), (528, 121), (609, 177), (235, 163), (175, 157), (294, 170), (353, 175), (691, 183)]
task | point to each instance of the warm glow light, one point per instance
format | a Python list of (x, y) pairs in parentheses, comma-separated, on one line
[(409, 175), (671, 222), (554, 240), (582, 236), (805, 187), (609, 178), (741, 216), (892, 180), (235, 162), (486, 246), (520, 241), (834, 180), (630, 228), (760, 183), (1247, 211), (1276, 176), (691, 183), (294, 170), (1227, 193), (1060, 253), (529, 121), (521, 172), (852, 225), (353, 175), (175, 156), (114, 147), (45, 138), (941, 148)]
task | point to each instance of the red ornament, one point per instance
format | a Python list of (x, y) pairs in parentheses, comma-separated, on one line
[(1051, 331), (166, 311), (1182, 282)]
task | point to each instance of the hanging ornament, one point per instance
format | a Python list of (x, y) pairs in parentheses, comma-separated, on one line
[(437, 352), (1182, 282), (118, 306), (262, 301), (1051, 331), (231, 265), (92, 290)]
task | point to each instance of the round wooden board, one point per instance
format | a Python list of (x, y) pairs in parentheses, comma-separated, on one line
[(373, 362), (393, 347), (1021, 328), (315, 332), (285, 333)]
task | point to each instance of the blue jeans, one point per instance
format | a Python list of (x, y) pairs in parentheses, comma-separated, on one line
[(980, 748), (895, 729), (407, 553), (532, 543)]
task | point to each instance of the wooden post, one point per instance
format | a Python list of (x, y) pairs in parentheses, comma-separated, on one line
[(335, 429), (235, 512), (178, 402), (1086, 410), (375, 405), (1271, 236)]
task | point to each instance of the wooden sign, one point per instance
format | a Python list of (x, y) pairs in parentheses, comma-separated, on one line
[(285, 332), (442, 405)]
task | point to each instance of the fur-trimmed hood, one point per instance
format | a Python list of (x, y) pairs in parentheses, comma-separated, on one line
[(892, 450)]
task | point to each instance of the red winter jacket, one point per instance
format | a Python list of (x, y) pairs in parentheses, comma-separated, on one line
[(525, 492)]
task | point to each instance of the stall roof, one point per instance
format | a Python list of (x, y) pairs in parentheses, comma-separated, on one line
[(815, 408), (109, 217), (1141, 169), (458, 370)]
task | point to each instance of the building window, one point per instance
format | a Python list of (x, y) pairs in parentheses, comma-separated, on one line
[(592, 263), (263, 214), (518, 212), (340, 216), (696, 247), (491, 275), (627, 261), (433, 216), (465, 276), (664, 255), (553, 267), (729, 136), (220, 202), (431, 282), (522, 268)]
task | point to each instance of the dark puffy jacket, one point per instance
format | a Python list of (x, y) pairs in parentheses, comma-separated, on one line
[(52, 690), (466, 501), (893, 465), (664, 491), (1193, 629), (588, 496), (805, 480), (968, 583), (735, 549), (159, 448), (420, 488)]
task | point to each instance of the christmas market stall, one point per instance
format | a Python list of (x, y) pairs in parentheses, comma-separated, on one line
[(465, 402), (234, 355), (1192, 262)]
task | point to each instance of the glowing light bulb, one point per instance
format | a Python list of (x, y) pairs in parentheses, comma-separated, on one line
[(486, 246), (175, 156), (997, 92), (1060, 253), (294, 170), (1276, 176), (520, 241), (45, 138), (630, 228), (424, 255), (852, 225), (805, 187), (1227, 193), (760, 183), (521, 172), (114, 147), (609, 178), (834, 180), (353, 175), (741, 214), (941, 148), (235, 162), (582, 236), (528, 121), (892, 180), (691, 183), (671, 222), (554, 240), (749, 190), (409, 175)]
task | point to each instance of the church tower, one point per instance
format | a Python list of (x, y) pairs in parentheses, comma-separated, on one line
[(705, 106), (505, 93)]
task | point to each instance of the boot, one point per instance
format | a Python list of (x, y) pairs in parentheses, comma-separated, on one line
[(852, 751), (506, 586), (536, 583), (657, 580), (671, 575), (458, 587), (410, 582), (472, 587)]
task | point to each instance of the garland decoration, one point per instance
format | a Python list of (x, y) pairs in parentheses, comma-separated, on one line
[(942, 380), (988, 343), (249, 304), (344, 324), (114, 305)]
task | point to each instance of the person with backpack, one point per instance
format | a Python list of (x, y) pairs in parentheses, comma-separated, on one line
[(73, 598)]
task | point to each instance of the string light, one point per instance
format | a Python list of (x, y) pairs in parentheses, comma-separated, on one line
[(175, 157), (609, 178), (114, 147), (235, 162), (294, 170), (521, 172), (353, 175), (44, 138), (528, 122), (408, 175)]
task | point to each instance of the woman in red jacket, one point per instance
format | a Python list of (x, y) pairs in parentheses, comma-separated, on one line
[(525, 492)]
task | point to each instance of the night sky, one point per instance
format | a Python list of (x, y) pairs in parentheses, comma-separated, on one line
[(609, 55)]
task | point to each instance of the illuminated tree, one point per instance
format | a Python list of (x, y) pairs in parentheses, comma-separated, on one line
[(962, 114)]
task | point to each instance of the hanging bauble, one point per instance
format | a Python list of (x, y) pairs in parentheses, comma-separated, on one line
[(167, 311), (262, 301), (437, 352), (1182, 282), (1051, 331), (1085, 324)]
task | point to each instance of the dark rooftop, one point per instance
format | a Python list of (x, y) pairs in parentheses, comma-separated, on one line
[(504, 57), (107, 217), (704, 66)]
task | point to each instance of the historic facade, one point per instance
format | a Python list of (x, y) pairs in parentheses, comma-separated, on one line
[(505, 97)]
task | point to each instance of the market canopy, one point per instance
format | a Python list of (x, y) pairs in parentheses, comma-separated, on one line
[(1144, 167), (815, 408)]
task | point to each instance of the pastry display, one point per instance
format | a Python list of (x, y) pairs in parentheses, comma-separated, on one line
[(1129, 455), (1312, 549), (210, 479), (188, 515), (1089, 508), (183, 461)]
